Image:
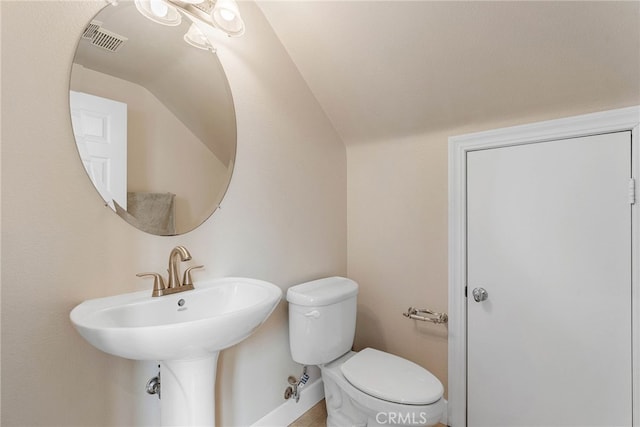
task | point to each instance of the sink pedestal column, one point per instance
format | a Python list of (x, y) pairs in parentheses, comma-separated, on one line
[(188, 391)]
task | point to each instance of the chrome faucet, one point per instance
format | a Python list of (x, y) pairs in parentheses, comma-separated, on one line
[(174, 268), (177, 255)]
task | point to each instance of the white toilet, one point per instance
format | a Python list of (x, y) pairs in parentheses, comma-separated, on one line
[(366, 388)]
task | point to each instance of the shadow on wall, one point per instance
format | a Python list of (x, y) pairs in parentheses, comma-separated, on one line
[(369, 332), (435, 331)]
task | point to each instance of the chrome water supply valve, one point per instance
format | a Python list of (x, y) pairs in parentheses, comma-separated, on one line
[(303, 380), (295, 385), (153, 385), (292, 390)]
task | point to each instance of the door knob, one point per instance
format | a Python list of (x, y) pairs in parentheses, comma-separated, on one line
[(480, 294)]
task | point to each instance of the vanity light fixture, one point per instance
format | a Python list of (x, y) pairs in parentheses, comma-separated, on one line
[(223, 15), (196, 38), (226, 17), (159, 11)]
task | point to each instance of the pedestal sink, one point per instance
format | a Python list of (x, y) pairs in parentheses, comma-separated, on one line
[(184, 332)]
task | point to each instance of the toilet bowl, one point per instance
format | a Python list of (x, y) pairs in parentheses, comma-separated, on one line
[(349, 405), (366, 388)]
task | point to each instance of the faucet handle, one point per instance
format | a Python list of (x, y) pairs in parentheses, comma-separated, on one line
[(158, 283), (186, 278)]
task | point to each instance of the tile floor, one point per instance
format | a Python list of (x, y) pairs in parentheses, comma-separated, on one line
[(317, 417), (314, 417)]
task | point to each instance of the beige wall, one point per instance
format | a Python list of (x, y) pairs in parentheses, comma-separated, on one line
[(283, 220), (159, 144), (397, 233), (397, 222)]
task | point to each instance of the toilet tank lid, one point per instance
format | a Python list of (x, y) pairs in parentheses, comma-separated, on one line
[(322, 291)]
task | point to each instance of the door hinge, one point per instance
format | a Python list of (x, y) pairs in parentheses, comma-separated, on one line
[(632, 191), (465, 291)]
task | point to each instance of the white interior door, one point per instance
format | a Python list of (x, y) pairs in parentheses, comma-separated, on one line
[(549, 239), (100, 128)]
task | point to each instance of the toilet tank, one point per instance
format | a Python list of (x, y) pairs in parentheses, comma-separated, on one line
[(322, 319)]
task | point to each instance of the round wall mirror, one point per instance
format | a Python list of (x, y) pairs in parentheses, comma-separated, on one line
[(153, 120)]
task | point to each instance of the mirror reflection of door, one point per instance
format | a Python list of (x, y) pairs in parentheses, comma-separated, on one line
[(180, 118), (100, 127)]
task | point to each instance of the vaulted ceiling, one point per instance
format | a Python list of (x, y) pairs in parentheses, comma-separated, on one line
[(386, 69)]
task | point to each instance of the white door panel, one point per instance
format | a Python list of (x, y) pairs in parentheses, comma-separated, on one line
[(549, 238), (100, 128)]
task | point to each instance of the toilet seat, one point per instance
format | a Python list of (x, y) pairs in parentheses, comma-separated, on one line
[(392, 378)]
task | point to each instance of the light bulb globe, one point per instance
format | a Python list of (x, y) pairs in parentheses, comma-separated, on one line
[(226, 17)]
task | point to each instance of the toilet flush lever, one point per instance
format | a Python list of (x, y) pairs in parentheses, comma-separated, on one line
[(314, 314)]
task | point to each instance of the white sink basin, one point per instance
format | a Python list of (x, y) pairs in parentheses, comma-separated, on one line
[(191, 324)]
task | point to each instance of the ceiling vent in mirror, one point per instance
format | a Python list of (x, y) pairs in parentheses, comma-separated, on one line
[(102, 38), (91, 29), (107, 40)]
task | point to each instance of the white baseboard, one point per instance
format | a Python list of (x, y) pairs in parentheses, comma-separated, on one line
[(290, 411)]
